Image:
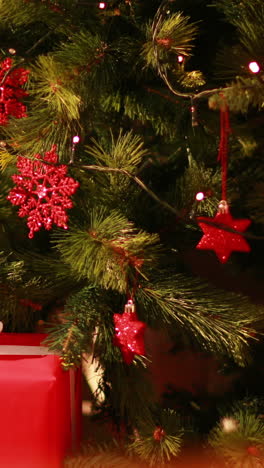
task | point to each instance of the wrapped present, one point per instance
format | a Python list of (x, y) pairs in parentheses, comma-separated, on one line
[(40, 404)]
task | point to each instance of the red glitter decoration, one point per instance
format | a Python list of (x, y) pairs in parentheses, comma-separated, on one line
[(11, 92), (221, 241), (129, 335), (253, 450), (159, 434), (43, 191)]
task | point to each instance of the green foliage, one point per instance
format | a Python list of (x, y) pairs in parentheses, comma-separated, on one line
[(193, 79), (177, 32), (159, 440), (75, 334), (143, 108), (126, 152), (247, 17), (255, 202), (243, 94), (105, 250), (6, 160), (97, 74), (104, 456), (239, 436), (51, 89), (198, 178), (24, 13), (221, 327), (17, 288)]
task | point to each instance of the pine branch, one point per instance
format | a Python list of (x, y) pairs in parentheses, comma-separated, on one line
[(247, 431), (218, 321), (108, 251), (158, 441)]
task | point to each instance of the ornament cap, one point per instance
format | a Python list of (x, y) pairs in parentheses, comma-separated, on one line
[(130, 306), (223, 207)]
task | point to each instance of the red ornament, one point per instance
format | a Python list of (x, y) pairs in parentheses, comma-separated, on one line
[(159, 434), (43, 191), (253, 450), (11, 92), (221, 241), (129, 336)]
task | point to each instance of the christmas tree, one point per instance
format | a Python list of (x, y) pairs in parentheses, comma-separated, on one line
[(131, 208)]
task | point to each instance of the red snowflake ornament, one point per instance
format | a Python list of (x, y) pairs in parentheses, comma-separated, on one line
[(11, 92), (42, 190), (129, 333), (221, 241)]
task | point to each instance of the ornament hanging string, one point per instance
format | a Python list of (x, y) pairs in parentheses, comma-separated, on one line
[(225, 130)]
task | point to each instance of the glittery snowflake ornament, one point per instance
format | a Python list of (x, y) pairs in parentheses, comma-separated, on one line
[(129, 333), (222, 241), (11, 91), (42, 190)]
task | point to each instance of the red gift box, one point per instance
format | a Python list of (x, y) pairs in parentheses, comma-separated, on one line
[(40, 404)]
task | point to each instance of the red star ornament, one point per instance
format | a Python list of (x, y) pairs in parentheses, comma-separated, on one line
[(129, 334), (221, 241)]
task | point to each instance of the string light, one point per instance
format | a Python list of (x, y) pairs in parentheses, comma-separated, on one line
[(254, 67), (199, 196), (195, 122), (76, 139), (180, 58), (102, 5)]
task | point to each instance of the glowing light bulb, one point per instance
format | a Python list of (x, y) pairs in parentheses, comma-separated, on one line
[(102, 5), (254, 67), (76, 139), (180, 58), (199, 196)]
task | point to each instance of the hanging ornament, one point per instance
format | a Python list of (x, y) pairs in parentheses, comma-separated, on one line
[(220, 240), (223, 233), (129, 333), (43, 191), (11, 91)]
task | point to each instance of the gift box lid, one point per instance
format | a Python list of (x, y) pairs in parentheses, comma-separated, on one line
[(22, 339)]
